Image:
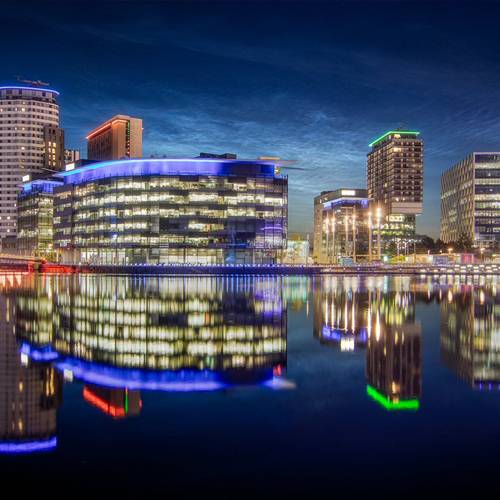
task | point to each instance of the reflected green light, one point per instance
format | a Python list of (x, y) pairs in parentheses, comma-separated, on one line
[(382, 137), (408, 404)]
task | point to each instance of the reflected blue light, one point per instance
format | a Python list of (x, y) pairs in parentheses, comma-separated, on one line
[(46, 353), (338, 334), (279, 383), (331, 333), (136, 379), (28, 446)]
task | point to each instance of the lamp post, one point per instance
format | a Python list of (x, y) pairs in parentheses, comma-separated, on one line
[(346, 221), (325, 228), (370, 236), (334, 222), (354, 234), (379, 243)]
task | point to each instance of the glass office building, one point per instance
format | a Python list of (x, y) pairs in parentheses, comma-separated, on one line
[(172, 211), (341, 226), (470, 200), (35, 218)]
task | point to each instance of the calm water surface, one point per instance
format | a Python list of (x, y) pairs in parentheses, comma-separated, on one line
[(249, 385)]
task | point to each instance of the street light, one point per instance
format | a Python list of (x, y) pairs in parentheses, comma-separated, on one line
[(334, 222), (326, 225), (354, 234), (369, 236), (379, 217)]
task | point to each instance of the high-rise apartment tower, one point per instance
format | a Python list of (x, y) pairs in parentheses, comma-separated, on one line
[(395, 181), (29, 120)]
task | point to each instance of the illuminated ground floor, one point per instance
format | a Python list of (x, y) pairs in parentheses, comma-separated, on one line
[(154, 256)]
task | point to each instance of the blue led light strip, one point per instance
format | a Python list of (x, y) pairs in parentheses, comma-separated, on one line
[(12, 448), (173, 166), (19, 87)]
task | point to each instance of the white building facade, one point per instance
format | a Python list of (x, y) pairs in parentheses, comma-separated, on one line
[(24, 114)]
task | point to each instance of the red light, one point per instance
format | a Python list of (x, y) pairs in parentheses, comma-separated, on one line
[(104, 406)]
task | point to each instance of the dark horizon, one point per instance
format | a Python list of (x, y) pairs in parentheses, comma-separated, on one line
[(311, 82)]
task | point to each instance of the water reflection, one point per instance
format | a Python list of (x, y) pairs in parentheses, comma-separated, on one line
[(352, 313), (123, 335), (120, 336), (30, 393), (470, 334)]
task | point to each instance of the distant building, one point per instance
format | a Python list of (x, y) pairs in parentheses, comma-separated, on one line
[(395, 180), (341, 226), (71, 156), (53, 138), (29, 121), (223, 156), (470, 200), (297, 250), (118, 138)]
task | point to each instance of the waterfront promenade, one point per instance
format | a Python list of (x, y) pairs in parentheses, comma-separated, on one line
[(259, 270)]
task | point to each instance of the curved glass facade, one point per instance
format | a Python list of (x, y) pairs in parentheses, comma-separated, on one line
[(172, 211)]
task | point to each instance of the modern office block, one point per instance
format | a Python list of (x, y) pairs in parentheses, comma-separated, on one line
[(341, 225), (196, 211), (35, 232), (29, 143), (470, 200), (117, 138)]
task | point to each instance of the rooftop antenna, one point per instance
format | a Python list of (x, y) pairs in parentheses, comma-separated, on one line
[(33, 83)]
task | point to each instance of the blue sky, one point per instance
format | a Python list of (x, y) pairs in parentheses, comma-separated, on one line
[(313, 82)]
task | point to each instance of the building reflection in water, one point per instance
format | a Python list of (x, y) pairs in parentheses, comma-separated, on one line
[(118, 403), (352, 313), (121, 335), (394, 351), (470, 333), (341, 312), (30, 391)]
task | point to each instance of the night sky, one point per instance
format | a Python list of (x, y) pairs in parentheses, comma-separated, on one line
[(311, 82)]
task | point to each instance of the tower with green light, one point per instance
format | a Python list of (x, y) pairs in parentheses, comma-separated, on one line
[(395, 182)]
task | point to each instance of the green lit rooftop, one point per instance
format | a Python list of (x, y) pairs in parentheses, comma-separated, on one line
[(382, 137)]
